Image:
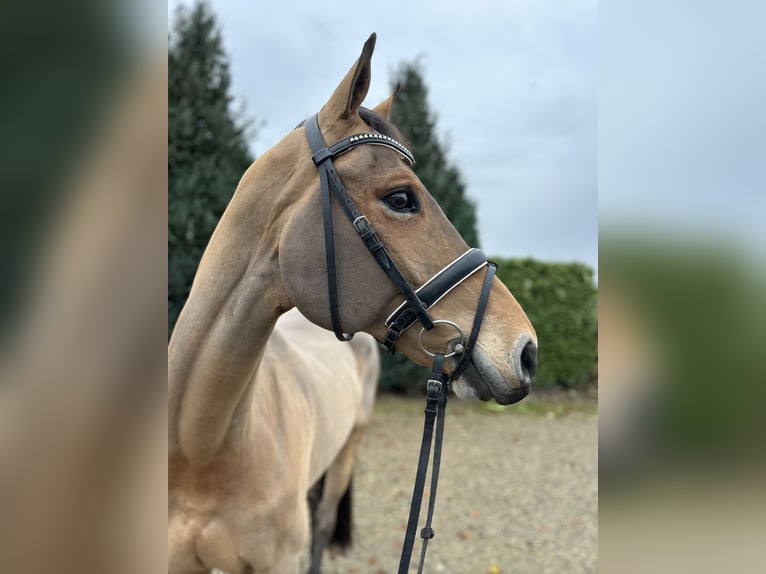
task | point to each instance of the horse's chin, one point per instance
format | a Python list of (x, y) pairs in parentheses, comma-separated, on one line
[(484, 382)]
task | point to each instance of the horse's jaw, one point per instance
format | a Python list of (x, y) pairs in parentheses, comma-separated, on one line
[(481, 380)]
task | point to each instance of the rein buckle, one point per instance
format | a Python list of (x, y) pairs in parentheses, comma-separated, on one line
[(434, 385)]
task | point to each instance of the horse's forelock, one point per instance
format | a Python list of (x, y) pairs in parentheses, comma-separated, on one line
[(381, 124)]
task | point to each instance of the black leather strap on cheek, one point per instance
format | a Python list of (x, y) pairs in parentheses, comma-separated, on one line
[(329, 249), (477, 321), (316, 142)]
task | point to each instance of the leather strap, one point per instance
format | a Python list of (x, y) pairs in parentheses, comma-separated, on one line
[(427, 533), (352, 141), (436, 399), (478, 319), (329, 244)]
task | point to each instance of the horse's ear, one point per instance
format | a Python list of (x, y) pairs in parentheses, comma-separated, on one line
[(350, 94), (384, 107)]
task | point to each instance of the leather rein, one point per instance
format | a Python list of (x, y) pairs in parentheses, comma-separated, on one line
[(417, 303)]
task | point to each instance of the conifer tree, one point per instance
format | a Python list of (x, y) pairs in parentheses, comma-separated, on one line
[(207, 147)]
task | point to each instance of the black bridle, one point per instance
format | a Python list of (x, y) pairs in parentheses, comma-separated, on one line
[(415, 307)]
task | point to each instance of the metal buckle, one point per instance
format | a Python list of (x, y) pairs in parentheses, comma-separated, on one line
[(435, 385), (362, 225), (459, 348)]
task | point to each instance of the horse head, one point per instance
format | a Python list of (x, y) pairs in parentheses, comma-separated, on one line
[(417, 236)]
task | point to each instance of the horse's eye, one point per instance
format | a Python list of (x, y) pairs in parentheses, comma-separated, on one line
[(401, 200)]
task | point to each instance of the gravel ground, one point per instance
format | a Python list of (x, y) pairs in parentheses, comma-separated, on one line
[(518, 491)]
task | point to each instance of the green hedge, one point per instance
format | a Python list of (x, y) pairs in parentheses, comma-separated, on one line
[(560, 300)]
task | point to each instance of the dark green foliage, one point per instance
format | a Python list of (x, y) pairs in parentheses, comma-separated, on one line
[(411, 114), (207, 147), (560, 300), (400, 375)]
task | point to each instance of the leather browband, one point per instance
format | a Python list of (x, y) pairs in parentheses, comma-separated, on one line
[(350, 142)]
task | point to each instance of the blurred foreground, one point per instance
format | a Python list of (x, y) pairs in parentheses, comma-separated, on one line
[(682, 327), (682, 277), (83, 275)]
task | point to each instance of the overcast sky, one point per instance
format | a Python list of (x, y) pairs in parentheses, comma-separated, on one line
[(513, 85), (682, 128)]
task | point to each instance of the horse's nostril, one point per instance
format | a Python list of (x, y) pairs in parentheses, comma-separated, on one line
[(529, 360)]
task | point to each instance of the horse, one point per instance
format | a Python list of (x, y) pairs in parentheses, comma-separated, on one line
[(239, 462)]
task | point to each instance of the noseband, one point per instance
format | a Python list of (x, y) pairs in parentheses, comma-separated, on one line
[(417, 303)]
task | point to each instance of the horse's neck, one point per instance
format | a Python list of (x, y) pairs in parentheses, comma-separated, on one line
[(220, 335)]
